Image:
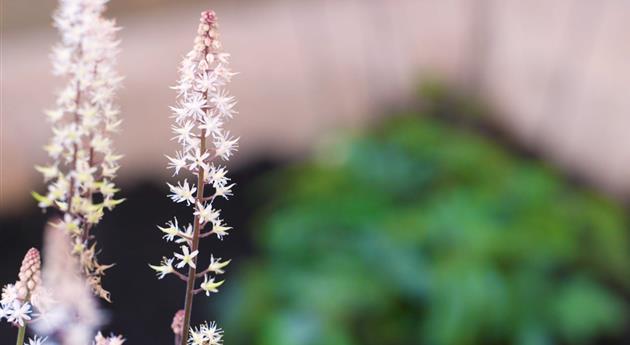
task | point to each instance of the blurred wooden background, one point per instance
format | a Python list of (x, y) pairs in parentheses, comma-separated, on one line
[(556, 71)]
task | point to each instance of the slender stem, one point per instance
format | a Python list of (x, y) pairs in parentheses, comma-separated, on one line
[(190, 286), (21, 334)]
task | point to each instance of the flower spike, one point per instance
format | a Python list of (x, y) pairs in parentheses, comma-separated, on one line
[(203, 107)]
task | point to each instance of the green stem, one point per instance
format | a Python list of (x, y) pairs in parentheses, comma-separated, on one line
[(21, 334)]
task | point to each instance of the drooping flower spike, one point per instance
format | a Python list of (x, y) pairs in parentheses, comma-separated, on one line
[(203, 107), (83, 162)]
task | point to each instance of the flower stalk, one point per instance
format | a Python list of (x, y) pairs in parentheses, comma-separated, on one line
[(204, 105), (21, 334), (192, 271), (83, 162)]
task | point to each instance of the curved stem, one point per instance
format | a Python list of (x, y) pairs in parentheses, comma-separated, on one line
[(21, 335)]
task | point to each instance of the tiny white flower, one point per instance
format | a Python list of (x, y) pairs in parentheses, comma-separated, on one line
[(164, 268), (211, 124), (196, 337), (198, 160), (9, 294), (219, 229), (184, 132), (182, 192), (224, 103), (179, 113), (54, 115), (217, 176), (177, 163), (170, 230), (37, 340), (223, 191), (224, 73), (207, 82), (195, 105), (216, 265), (188, 232), (20, 313), (206, 213), (213, 333), (186, 258), (225, 145)]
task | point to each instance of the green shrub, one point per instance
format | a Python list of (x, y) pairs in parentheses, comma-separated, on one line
[(421, 232)]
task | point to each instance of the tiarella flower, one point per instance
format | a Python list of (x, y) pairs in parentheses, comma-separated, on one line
[(170, 230), (225, 145), (216, 265), (206, 213), (219, 229), (83, 161), (195, 105), (209, 285), (184, 133), (19, 313), (179, 162), (223, 191), (186, 258), (49, 172), (198, 160), (202, 108), (224, 103), (197, 337), (186, 235), (9, 294), (182, 192), (206, 335), (217, 176), (37, 340), (166, 267), (111, 340), (211, 125), (207, 82)]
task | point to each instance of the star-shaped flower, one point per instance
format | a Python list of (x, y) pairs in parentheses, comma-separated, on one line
[(19, 313), (186, 258), (182, 192), (166, 267)]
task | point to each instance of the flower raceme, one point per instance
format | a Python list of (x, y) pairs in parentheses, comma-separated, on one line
[(83, 162), (203, 106)]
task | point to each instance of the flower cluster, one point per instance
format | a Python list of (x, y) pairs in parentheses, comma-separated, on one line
[(83, 162), (111, 340), (26, 298), (37, 340), (206, 335), (203, 106)]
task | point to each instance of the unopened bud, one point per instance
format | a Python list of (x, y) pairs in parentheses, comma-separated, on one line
[(178, 322), (30, 273)]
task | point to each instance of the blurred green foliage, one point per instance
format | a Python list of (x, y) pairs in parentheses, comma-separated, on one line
[(425, 232)]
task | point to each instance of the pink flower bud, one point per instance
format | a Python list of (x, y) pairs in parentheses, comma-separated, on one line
[(178, 322)]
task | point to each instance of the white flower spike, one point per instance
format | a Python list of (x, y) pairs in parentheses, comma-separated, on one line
[(83, 160), (203, 107)]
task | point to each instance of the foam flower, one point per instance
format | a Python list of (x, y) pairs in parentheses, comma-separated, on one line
[(202, 109), (83, 162)]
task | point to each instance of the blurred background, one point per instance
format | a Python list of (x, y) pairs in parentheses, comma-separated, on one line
[(411, 171)]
